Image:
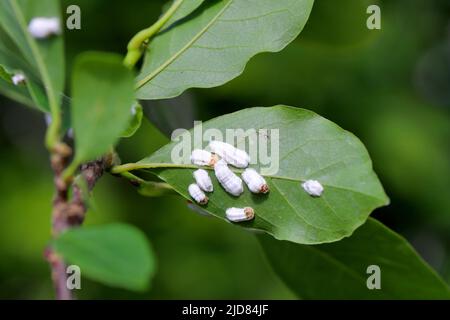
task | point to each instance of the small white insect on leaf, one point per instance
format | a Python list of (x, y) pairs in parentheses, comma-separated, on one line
[(228, 179), (234, 156), (313, 188), (197, 194), (18, 78), (203, 158), (203, 180), (255, 182), (44, 27), (240, 214)]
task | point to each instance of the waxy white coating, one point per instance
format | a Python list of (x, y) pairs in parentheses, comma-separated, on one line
[(18, 78), (240, 214), (255, 182), (44, 27), (197, 194), (228, 179), (313, 188), (203, 180), (203, 158), (233, 156)]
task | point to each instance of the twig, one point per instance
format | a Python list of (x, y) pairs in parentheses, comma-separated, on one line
[(69, 213), (59, 157)]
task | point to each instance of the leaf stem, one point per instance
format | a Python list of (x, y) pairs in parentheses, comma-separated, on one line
[(148, 188), (120, 169), (70, 170), (132, 178), (136, 166), (135, 46)]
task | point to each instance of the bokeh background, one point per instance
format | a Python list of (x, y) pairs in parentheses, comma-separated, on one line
[(390, 87)]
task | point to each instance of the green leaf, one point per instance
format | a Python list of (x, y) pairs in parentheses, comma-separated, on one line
[(135, 122), (118, 255), (11, 61), (339, 270), (17, 93), (5, 75), (46, 56), (103, 94), (310, 147), (213, 46)]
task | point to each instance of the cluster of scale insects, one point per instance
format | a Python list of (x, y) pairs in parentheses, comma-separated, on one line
[(223, 154)]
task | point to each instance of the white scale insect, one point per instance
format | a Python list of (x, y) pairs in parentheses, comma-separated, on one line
[(203, 180), (197, 194), (313, 188), (255, 182), (18, 78), (203, 158), (240, 214), (229, 181), (236, 157), (44, 27)]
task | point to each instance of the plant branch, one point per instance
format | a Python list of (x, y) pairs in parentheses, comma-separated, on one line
[(91, 172), (59, 157), (69, 213), (135, 46)]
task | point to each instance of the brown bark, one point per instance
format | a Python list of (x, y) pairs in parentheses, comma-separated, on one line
[(69, 213)]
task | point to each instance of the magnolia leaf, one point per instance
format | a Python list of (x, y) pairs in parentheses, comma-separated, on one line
[(302, 145), (118, 255), (215, 43), (136, 119), (373, 257), (45, 56), (31, 94), (103, 92), (5, 75)]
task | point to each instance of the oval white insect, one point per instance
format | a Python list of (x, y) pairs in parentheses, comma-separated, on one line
[(203, 158), (240, 214), (197, 194), (203, 180), (18, 78), (229, 181), (44, 27), (234, 156), (255, 182), (313, 188)]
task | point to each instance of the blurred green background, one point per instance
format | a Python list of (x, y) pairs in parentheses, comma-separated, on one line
[(391, 87)]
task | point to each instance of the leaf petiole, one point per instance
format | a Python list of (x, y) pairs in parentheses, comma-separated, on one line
[(69, 172), (135, 45)]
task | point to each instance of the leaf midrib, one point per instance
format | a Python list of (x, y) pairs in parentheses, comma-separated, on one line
[(137, 166), (169, 61)]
